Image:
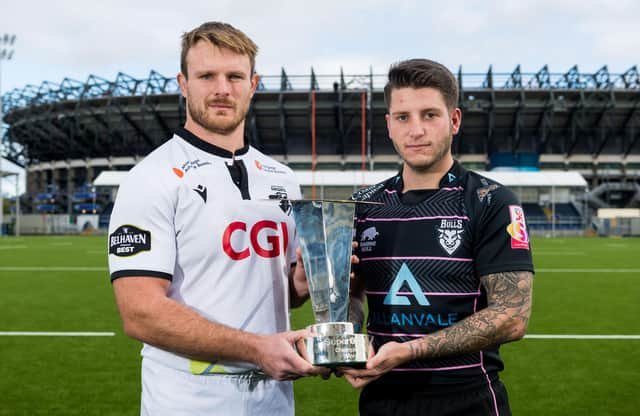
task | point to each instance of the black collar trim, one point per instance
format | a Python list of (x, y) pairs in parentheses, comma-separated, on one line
[(453, 176), (194, 140)]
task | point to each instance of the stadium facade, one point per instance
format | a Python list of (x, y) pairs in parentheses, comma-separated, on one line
[(66, 134)]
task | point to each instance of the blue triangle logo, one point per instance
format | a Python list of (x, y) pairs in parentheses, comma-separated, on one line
[(405, 276), (452, 177)]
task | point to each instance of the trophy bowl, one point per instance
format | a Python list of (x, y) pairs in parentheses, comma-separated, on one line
[(325, 231)]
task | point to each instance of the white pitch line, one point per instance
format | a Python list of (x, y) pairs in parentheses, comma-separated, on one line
[(12, 247), (53, 268), (548, 336), (567, 270), (57, 334), (560, 253)]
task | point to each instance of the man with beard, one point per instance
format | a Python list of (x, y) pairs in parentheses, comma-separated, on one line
[(448, 273), (202, 263)]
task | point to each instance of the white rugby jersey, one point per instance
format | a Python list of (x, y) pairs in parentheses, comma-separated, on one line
[(224, 241)]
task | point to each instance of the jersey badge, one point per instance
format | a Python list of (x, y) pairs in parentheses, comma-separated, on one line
[(202, 191), (128, 240), (368, 239), (280, 192), (485, 192), (517, 229), (451, 177), (450, 234)]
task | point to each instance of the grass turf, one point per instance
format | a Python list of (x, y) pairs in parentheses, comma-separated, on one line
[(100, 375)]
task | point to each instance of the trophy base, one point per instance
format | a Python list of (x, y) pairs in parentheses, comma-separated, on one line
[(335, 345)]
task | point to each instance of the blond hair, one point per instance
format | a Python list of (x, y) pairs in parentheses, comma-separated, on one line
[(222, 35)]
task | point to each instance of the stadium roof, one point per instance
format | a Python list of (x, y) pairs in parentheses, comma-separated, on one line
[(566, 114)]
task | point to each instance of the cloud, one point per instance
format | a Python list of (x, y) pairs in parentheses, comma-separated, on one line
[(72, 38)]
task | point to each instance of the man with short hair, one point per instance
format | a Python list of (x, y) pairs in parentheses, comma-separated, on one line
[(201, 260), (445, 264)]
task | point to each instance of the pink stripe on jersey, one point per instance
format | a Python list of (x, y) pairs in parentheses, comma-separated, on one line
[(493, 393), (417, 258), (429, 293), (386, 334), (460, 367), (390, 191), (437, 217), (455, 188), (475, 302)]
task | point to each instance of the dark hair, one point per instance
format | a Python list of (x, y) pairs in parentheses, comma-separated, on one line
[(222, 35), (422, 73)]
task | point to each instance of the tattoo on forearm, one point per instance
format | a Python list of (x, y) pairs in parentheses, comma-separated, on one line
[(504, 319)]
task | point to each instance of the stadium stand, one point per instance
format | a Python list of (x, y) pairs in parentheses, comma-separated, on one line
[(66, 134)]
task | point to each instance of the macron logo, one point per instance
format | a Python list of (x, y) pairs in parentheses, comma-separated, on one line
[(202, 191), (405, 276)]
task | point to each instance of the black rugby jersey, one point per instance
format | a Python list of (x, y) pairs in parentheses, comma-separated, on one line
[(422, 255)]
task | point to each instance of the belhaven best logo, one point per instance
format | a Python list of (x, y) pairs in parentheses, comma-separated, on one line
[(517, 229), (128, 240)]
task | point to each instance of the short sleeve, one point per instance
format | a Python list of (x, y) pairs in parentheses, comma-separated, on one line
[(142, 239), (502, 242)]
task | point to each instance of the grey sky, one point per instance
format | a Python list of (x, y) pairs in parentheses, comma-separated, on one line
[(69, 38)]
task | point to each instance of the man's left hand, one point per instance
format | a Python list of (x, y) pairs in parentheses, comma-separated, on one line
[(389, 356)]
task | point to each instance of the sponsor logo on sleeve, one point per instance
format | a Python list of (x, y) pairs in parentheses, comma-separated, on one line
[(267, 168), (485, 192), (128, 240), (517, 229)]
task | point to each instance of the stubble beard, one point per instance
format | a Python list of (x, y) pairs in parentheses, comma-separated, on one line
[(428, 166), (200, 116)]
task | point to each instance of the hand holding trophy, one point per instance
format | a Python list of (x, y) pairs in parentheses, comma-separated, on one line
[(325, 231)]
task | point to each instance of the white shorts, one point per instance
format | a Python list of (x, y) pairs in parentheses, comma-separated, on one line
[(169, 392)]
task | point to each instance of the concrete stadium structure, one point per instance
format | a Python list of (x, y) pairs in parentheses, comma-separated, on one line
[(66, 134)]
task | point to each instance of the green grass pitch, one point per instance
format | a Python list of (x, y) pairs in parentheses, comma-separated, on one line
[(588, 286)]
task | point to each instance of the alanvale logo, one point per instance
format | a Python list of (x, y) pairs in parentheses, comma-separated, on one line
[(128, 240), (450, 235), (368, 239)]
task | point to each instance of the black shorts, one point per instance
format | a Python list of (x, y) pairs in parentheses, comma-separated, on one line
[(478, 399)]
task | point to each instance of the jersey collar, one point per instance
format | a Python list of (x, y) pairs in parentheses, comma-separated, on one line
[(450, 179), (208, 147), (453, 176)]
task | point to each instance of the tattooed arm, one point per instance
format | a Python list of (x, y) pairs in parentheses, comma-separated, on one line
[(504, 319)]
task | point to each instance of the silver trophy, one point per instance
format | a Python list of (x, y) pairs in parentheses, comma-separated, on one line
[(325, 231)]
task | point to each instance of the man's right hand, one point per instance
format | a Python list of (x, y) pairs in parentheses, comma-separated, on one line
[(278, 357)]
